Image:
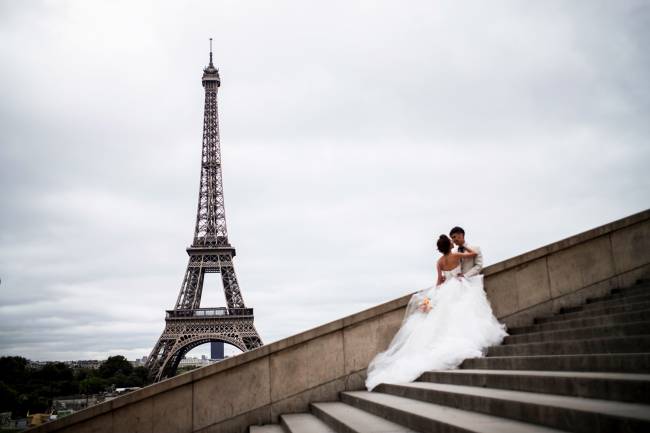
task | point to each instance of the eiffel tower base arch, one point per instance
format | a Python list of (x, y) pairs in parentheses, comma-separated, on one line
[(184, 334)]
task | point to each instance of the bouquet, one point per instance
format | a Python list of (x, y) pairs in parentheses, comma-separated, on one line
[(425, 305)]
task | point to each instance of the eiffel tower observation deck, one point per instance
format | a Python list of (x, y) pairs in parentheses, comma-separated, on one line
[(188, 325)]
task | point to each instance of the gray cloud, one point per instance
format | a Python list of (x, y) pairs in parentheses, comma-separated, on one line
[(352, 134)]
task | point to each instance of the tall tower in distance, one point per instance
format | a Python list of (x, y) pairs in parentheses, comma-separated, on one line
[(189, 325)]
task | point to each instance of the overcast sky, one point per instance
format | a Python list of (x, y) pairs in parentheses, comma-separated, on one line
[(353, 134)]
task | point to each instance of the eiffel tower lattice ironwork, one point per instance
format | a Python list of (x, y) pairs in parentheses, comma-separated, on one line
[(188, 325)]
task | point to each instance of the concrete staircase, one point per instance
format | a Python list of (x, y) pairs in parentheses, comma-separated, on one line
[(585, 369)]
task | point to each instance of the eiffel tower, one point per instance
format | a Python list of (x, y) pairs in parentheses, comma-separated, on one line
[(188, 325)]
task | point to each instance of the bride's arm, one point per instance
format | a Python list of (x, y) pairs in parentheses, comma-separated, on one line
[(441, 278), (463, 255), (468, 253)]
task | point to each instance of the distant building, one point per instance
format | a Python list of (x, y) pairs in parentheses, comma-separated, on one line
[(194, 362), (64, 412), (140, 362), (216, 350), (36, 364), (38, 418), (5, 420), (74, 402), (88, 363), (91, 363)]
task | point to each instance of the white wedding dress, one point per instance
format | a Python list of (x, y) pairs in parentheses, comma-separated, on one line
[(459, 325)]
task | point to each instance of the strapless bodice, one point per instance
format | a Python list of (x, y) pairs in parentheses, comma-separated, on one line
[(453, 272)]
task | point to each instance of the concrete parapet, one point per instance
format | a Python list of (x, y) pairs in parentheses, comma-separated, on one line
[(316, 365), (568, 272)]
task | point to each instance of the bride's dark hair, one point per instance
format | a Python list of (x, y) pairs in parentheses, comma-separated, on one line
[(444, 244)]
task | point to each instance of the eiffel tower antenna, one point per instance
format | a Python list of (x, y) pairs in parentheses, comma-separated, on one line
[(210, 51), (189, 325)]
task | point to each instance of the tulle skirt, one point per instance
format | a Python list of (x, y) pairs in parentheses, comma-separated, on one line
[(459, 324)]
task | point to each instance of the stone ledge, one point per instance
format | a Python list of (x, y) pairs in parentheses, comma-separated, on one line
[(567, 243)]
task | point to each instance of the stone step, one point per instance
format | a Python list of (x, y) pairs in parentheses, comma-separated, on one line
[(349, 419), (561, 412), (304, 423), (612, 362), (626, 300), (615, 309), (636, 290), (584, 322), (625, 291), (428, 417), (606, 386), (635, 343), (633, 290), (627, 329), (269, 428)]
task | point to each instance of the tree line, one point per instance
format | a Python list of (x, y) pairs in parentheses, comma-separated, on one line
[(24, 388)]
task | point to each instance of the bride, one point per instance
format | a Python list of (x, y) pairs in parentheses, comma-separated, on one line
[(443, 325)]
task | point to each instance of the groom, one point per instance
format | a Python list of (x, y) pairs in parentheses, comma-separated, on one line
[(472, 266)]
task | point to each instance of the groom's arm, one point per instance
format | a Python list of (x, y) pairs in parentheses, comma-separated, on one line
[(478, 263)]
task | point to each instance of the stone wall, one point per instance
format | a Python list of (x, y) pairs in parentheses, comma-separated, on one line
[(285, 376), (567, 272)]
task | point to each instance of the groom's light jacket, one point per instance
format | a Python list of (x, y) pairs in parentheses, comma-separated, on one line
[(474, 265)]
